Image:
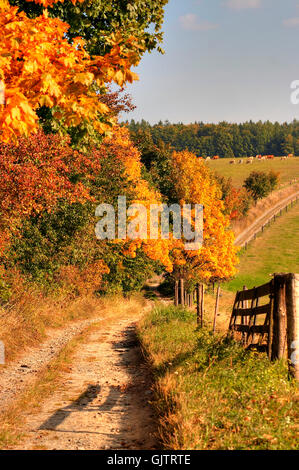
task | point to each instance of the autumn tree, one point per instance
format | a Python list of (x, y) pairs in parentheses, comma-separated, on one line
[(121, 149), (260, 184), (35, 176), (57, 61), (182, 178), (118, 31), (97, 20), (50, 78), (237, 201), (50, 198), (194, 183)]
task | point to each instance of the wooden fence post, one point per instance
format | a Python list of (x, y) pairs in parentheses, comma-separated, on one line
[(176, 293), (216, 308), (202, 307), (292, 303), (244, 320), (182, 297), (271, 319), (279, 317), (198, 302)]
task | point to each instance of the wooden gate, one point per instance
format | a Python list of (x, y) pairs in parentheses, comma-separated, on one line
[(252, 316)]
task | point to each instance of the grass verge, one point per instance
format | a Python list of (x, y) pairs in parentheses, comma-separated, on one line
[(212, 394)]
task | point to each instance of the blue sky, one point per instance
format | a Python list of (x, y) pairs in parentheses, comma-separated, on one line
[(230, 60)]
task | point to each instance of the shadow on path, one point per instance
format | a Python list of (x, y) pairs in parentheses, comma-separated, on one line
[(125, 417)]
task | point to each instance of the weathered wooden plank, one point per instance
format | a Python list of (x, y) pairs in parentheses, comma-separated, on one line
[(232, 318), (244, 312), (265, 289), (246, 294), (240, 328), (261, 329)]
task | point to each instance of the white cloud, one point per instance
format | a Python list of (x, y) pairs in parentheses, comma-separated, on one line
[(243, 4), (291, 22), (190, 22)]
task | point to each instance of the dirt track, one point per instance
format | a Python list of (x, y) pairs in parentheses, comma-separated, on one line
[(102, 401), (18, 375)]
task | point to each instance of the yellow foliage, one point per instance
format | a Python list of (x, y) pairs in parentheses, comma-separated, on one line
[(39, 67), (122, 148), (195, 184)]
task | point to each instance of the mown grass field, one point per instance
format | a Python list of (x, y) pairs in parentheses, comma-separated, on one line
[(276, 250), (211, 394), (288, 169)]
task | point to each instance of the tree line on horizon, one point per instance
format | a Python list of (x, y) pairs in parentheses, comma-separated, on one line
[(228, 140)]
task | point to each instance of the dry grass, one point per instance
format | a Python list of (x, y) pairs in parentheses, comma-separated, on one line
[(226, 301), (27, 319), (263, 206)]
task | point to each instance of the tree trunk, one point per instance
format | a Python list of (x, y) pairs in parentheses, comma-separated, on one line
[(279, 317), (216, 308), (182, 292)]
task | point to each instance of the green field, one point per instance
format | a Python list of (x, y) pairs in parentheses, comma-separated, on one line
[(289, 169), (276, 250)]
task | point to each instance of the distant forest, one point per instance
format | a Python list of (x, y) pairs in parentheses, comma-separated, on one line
[(224, 139)]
